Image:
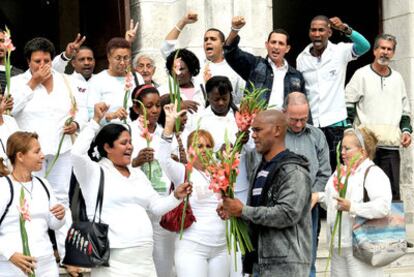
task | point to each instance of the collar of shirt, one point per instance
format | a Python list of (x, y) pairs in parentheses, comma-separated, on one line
[(305, 129), (275, 159), (324, 53), (284, 67)]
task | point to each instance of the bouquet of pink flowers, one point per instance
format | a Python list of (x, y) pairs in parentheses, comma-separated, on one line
[(23, 217), (340, 182), (222, 168)]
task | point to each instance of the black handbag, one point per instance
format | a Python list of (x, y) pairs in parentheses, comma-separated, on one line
[(87, 243)]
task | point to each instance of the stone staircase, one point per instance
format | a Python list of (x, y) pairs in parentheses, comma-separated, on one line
[(403, 267)]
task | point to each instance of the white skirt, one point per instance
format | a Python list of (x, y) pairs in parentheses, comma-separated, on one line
[(128, 262), (45, 267)]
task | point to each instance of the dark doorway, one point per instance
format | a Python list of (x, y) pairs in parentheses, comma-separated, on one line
[(61, 20), (295, 15)]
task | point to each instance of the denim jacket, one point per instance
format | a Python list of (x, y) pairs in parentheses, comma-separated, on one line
[(257, 70), (283, 219)]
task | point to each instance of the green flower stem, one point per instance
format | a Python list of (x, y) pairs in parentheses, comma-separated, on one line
[(183, 216), (23, 232), (50, 167)]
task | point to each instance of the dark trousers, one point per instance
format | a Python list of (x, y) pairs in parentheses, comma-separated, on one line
[(333, 136), (389, 161)]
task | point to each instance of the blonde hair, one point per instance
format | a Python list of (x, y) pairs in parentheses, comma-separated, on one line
[(17, 142), (369, 143), (201, 133)]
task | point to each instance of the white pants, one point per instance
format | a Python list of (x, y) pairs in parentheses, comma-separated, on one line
[(347, 265), (163, 253), (198, 260), (45, 267), (128, 262), (59, 179)]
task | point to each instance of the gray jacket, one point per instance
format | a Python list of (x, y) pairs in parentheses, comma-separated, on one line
[(283, 219)]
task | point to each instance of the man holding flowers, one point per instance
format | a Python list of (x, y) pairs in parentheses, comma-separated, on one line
[(278, 205)]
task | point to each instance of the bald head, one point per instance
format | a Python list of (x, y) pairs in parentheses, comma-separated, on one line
[(322, 18), (273, 118), (295, 98)]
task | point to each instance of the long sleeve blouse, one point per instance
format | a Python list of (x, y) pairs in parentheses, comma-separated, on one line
[(208, 229), (45, 113), (378, 188), (37, 228), (125, 199)]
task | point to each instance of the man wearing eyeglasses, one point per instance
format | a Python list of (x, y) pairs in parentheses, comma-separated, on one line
[(376, 97), (109, 85), (309, 141)]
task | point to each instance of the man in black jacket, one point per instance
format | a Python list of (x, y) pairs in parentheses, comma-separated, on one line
[(272, 72), (278, 205)]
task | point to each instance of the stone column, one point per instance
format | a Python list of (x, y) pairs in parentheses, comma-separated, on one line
[(398, 18), (157, 17)]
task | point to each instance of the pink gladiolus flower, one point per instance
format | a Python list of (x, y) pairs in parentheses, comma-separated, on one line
[(128, 81), (146, 134), (8, 42), (24, 211), (177, 66), (244, 120)]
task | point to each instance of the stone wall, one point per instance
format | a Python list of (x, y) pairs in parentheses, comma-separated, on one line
[(398, 19), (157, 17)]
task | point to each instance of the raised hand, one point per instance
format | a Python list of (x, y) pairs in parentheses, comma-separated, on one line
[(132, 32), (238, 22), (73, 47), (100, 110), (190, 18)]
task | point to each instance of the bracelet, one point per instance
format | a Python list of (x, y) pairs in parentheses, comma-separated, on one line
[(178, 29), (235, 29), (63, 56), (167, 138)]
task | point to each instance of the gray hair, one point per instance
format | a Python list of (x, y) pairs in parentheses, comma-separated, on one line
[(139, 56), (388, 37), (295, 98)]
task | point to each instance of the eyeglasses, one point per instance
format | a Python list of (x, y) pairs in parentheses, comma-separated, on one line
[(120, 58), (147, 66), (296, 120)]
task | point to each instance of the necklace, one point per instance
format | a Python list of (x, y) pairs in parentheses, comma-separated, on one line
[(24, 187)]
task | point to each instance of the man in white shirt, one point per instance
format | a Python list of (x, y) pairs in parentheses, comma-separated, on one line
[(323, 65), (214, 62)]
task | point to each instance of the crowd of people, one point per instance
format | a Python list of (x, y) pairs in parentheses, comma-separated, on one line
[(287, 163)]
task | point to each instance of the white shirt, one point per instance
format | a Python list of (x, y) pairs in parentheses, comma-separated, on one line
[(216, 69), (126, 199), (208, 229), (109, 89), (325, 81), (277, 94), (378, 188), (218, 126), (41, 219), (45, 113), (8, 127)]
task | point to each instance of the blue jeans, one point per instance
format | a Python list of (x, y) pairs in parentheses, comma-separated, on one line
[(315, 233)]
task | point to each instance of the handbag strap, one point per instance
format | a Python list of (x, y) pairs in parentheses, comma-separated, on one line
[(99, 199), (11, 199), (366, 198)]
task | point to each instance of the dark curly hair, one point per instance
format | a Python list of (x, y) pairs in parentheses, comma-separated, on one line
[(39, 44), (186, 56)]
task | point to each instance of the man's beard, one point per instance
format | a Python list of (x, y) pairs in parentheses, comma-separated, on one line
[(384, 61)]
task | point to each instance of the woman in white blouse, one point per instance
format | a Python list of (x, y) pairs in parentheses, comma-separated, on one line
[(202, 250), (127, 195), (23, 150), (356, 142)]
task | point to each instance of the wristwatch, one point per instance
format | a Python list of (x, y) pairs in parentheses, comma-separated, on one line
[(347, 30)]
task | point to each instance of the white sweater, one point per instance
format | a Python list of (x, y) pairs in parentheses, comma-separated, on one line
[(209, 229), (41, 219), (126, 199), (378, 188)]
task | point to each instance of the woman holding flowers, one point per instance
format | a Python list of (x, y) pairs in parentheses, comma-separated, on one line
[(146, 137), (357, 151), (202, 249), (32, 203), (128, 194), (43, 102)]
